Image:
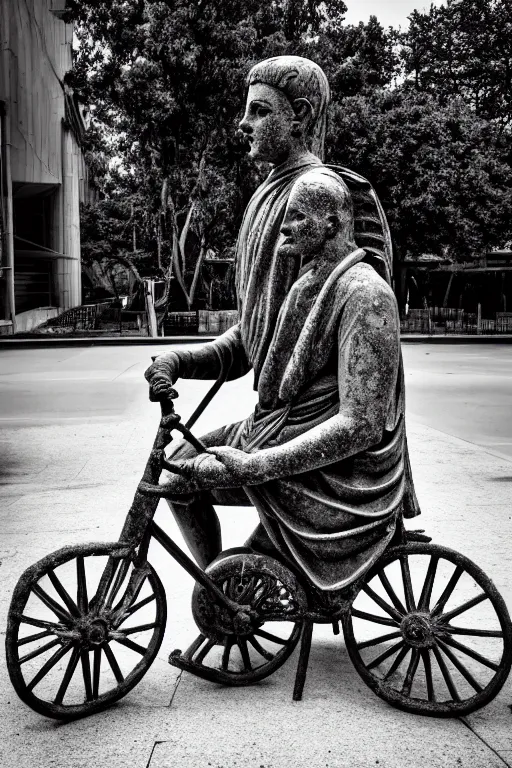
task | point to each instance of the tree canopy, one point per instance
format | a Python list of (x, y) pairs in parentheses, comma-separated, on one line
[(424, 115)]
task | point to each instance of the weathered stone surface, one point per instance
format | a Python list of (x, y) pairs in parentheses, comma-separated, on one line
[(319, 328)]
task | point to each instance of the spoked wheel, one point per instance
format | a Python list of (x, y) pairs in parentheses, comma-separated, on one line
[(429, 632), (84, 626), (239, 653)]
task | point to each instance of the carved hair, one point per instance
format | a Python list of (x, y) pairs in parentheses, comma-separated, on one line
[(298, 78)]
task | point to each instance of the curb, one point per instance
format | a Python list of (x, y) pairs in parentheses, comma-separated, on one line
[(112, 341), (106, 341), (456, 339)]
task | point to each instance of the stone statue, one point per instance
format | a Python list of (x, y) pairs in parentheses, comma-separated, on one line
[(323, 457)]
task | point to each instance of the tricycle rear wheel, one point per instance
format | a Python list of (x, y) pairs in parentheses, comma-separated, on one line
[(429, 632), (84, 625)]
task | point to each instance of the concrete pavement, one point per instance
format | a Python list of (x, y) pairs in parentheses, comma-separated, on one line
[(68, 473)]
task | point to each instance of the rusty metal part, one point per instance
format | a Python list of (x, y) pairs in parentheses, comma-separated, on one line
[(414, 658), (267, 593), (82, 626)]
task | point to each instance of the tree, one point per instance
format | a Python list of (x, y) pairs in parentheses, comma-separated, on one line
[(464, 49), (167, 83), (441, 172)]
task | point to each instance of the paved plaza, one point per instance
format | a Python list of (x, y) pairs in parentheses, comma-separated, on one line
[(75, 430)]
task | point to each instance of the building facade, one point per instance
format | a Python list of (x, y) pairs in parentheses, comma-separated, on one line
[(43, 173)]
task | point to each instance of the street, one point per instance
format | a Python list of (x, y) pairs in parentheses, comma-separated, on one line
[(76, 428)]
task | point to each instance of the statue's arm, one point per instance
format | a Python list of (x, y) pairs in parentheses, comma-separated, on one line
[(368, 363), (202, 362)]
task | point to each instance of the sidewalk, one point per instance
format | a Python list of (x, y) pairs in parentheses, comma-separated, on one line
[(73, 482)]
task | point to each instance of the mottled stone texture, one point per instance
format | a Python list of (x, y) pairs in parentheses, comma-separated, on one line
[(323, 457)]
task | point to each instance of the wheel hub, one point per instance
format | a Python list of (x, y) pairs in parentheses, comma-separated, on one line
[(417, 630), (94, 632)]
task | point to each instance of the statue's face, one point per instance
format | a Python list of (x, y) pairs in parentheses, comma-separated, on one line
[(268, 123), (306, 227)]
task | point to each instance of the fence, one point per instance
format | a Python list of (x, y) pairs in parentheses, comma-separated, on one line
[(447, 320), (216, 322)]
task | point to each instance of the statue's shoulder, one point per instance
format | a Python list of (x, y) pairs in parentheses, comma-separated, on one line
[(371, 230)]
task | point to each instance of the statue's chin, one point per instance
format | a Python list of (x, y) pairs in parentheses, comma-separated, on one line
[(289, 251)]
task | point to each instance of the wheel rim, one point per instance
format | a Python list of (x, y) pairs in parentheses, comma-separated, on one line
[(83, 628), (429, 632), (243, 654)]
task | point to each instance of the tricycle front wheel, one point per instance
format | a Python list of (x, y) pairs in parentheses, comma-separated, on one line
[(84, 625), (429, 632)]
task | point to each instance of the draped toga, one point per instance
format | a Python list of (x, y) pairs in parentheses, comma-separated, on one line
[(296, 328)]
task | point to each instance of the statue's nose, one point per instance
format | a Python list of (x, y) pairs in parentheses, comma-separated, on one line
[(244, 126)]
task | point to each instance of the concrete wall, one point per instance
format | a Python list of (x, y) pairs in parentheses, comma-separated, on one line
[(42, 152), (38, 56), (27, 321)]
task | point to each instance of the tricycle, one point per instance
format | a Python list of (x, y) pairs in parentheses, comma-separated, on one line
[(425, 628)]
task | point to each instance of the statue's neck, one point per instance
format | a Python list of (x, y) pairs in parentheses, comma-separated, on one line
[(297, 157)]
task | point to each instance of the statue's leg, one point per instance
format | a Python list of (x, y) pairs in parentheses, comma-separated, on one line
[(194, 513), (199, 526)]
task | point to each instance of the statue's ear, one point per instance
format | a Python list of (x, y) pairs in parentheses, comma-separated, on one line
[(333, 225), (303, 113)]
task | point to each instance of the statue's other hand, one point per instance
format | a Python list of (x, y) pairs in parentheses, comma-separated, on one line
[(242, 466), (161, 375)]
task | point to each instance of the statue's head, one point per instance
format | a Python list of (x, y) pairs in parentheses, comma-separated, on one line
[(286, 107), (318, 214)]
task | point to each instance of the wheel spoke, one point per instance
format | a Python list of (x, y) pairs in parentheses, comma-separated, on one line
[(393, 668), (48, 666), (427, 666), (470, 652), (406, 577), (426, 592), (446, 674), (63, 594), (411, 671), (460, 666), (39, 651), (37, 636), (385, 655), (473, 632), (447, 591), (114, 666), (133, 588), (391, 593), (67, 676), (40, 623), (396, 663), (130, 644), (377, 640), (445, 617), (373, 618), (228, 644), (242, 644), (105, 581), (260, 649), (120, 577), (50, 603), (205, 650), (81, 580), (86, 672), (140, 628), (138, 605), (96, 673), (382, 603), (269, 636)]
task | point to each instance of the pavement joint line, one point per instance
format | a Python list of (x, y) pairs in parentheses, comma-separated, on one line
[(155, 743), (465, 722), (125, 371), (176, 684)]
